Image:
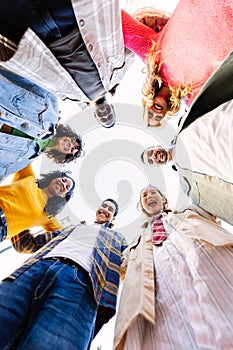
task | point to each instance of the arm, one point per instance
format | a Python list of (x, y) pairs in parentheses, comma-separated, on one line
[(125, 256), (23, 173), (137, 37), (196, 223), (26, 242)]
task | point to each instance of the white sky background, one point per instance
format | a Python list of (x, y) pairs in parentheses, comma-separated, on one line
[(113, 176)]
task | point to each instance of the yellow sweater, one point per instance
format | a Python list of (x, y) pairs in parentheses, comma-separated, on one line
[(23, 202)]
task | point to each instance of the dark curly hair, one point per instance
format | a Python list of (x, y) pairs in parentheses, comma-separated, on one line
[(55, 204), (61, 158)]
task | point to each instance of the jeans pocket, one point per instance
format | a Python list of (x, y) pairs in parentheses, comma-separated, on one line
[(82, 277), (48, 280)]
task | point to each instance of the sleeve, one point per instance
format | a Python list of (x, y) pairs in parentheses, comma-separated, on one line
[(52, 225), (124, 263), (23, 173), (138, 38), (125, 256), (26, 242)]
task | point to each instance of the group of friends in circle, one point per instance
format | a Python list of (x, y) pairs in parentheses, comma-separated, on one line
[(176, 273)]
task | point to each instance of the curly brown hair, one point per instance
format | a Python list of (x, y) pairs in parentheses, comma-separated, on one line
[(154, 82), (61, 158)]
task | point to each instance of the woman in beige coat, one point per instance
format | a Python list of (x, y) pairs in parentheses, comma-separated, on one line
[(177, 294)]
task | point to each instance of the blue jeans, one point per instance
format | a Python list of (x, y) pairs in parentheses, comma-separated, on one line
[(50, 306)]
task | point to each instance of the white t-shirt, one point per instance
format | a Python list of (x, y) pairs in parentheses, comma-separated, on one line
[(78, 246)]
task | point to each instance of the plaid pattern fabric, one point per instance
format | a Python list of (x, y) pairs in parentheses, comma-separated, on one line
[(7, 48), (3, 226), (102, 19), (158, 232), (106, 259), (106, 262), (25, 242)]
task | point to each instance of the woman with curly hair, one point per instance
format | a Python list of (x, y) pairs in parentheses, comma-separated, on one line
[(29, 118), (65, 146), (182, 56), (28, 202)]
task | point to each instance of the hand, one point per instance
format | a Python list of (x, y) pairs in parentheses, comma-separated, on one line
[(153, 18)]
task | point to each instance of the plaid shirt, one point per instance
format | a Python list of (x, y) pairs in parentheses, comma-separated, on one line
[(100, 26), (7, 48), (106, 258)]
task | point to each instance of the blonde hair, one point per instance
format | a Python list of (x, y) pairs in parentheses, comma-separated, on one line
[(154, 81)]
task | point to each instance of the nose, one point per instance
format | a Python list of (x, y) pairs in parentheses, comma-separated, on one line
[(63, 186), (74, 147)]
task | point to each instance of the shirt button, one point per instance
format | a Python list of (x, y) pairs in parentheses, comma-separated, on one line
[(24, 125), (81, 22), (99, 64), (90, 47)]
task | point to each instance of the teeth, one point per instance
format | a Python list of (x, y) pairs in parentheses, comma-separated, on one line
[(158, 107)]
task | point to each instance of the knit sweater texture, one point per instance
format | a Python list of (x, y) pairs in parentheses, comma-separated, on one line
[(192, 45)]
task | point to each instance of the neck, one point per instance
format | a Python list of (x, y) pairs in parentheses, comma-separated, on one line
[(51, 144), (47, 192), (169, 154)]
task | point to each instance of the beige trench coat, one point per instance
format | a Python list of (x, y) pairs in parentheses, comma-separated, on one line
[(138, 293)]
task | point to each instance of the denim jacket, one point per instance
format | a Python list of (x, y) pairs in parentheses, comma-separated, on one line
[(28, 108)]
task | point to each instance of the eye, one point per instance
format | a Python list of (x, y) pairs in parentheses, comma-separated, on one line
[(110, 209), (67, 186), (149, 154)]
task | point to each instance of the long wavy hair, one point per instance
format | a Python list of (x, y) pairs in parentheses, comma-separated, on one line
[(55, 204), (61, 158), (154, 82)]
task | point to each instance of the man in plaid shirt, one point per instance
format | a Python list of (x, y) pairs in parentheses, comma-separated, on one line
[(67, 290), (74, 49)]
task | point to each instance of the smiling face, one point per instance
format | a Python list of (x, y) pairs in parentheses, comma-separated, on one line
[(66, 145), (151, 201), (59, 187), (155, 156), (105, 114), (158, 110), (105, 212)]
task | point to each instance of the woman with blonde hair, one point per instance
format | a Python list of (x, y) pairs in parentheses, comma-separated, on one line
[(183, 55), (178, 281)]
